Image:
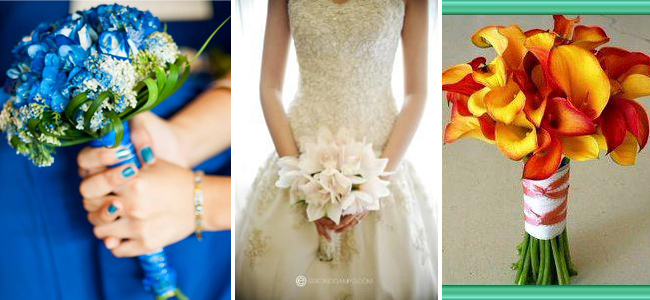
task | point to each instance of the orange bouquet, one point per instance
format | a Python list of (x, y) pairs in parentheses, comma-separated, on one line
[(548, 97)]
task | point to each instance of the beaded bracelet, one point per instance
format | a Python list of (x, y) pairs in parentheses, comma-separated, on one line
[(198, 204)]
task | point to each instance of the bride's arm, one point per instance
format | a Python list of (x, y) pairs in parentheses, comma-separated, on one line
[(274, 58), (414, 45)]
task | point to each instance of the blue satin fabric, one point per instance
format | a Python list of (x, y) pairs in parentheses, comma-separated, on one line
[(48, 250)]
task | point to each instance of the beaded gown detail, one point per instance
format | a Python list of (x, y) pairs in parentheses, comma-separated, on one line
[(345, 55)]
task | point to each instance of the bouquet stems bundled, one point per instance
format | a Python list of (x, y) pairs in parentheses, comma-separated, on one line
[(544, 262)]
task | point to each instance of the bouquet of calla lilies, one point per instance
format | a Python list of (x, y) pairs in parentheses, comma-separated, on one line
[(548, 97)]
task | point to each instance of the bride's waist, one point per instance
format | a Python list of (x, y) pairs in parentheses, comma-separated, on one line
[(370, 122), (338, 109)]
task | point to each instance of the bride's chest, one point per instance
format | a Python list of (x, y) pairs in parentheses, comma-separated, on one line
[(324, 23)]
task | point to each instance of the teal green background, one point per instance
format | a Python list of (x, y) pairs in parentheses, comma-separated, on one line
[(545, 7), (622, 292)]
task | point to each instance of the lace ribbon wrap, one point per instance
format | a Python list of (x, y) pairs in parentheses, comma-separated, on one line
[(545, 204)]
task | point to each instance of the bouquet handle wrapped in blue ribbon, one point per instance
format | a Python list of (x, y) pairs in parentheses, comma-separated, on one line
[(159, 276)]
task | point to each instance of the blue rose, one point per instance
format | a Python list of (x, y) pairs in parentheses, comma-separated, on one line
[(70, 26), (114, 43)]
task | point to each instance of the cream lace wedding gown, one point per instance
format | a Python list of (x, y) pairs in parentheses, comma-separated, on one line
[(346, 54)]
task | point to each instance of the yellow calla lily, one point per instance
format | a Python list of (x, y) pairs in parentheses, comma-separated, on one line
[(490, 37), (515, 52), (625, 154), (579, 75), (505, 103), (508, 42), (476, 103), (495, 75), (456, 73), (600, 139), (544, 41), (580, 148), (635, 86), (517, 139)]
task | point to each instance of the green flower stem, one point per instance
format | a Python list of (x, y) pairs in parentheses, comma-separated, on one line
[(524, 272), (522, 256), (547, 263), (534, 254), (567, 253), (544, 262), (556, 260), (563, 265)]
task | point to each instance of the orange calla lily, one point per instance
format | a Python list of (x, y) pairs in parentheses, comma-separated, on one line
[(459, 79), (589, 37), (546, 159), (564, 26), (562, 118), (461, 126), (623, 116), (581, 78), (616, 61)]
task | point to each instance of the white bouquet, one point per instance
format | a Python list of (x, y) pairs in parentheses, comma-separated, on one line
[(334, 176)]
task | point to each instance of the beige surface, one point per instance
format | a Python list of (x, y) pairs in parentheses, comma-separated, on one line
[(609, 205)]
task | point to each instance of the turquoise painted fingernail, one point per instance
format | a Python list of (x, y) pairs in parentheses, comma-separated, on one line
[(128, 172), (147, 154), (112, 209), (123, 153)]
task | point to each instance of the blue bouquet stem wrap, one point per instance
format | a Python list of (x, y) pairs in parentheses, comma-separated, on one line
[(159, 276)]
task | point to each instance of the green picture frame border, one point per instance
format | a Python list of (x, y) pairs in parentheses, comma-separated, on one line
[(592, 292), (545, 7)]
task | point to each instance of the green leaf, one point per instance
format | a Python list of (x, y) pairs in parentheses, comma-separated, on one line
[(32, 124), (94, 106), (181, 81), (75, 142), (160, 79), (74, 105), (117, 126), (169, 86), (152, 90), (208, 40)]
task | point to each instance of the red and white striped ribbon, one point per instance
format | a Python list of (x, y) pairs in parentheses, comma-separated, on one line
[(545, 204)]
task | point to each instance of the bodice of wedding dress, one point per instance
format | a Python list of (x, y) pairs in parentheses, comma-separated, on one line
[(345, 54)]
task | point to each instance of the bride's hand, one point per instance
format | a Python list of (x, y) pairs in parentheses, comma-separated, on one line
[(155, 207), (349, 221), (324, 225)]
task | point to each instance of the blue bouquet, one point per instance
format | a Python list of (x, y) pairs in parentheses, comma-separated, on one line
[(80, 79)]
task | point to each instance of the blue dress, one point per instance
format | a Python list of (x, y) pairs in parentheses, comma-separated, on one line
[(48, 250)]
